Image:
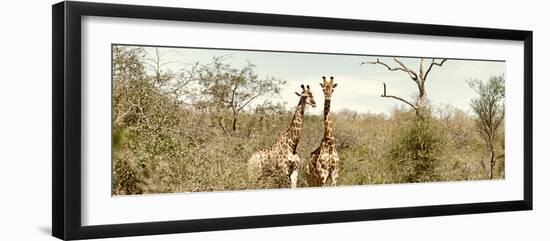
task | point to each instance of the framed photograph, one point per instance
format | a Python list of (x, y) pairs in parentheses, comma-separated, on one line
[(170, 120)]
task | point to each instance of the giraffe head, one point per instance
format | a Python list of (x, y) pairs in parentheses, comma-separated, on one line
[(328, 86), (307, 96)]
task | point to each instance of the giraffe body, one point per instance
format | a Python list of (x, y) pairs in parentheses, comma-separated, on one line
[(277, 165), (322, 168)]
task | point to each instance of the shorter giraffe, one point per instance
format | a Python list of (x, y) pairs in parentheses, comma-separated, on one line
[(279, 162), (323, 163)]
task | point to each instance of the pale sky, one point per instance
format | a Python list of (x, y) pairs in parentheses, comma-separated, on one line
[(359, 86)]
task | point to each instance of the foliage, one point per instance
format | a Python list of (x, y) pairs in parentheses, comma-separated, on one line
[(414, 153), (143, 137), (489, 109), (227, 88)]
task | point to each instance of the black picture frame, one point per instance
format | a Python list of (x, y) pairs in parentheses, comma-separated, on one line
[(67, 135)]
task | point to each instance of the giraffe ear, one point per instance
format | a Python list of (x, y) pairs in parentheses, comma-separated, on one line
[(334, 86), (297, 94), (321, 84)]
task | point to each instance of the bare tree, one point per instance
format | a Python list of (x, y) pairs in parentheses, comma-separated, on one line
[(419, 78), (165, 79), (489, 109), (155, 62)]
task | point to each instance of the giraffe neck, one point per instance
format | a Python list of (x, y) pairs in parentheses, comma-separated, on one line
[(328, 122), (296, 125)]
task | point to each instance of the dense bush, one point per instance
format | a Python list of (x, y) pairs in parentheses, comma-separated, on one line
[(415, 153)]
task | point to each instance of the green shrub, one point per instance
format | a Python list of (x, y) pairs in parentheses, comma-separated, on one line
[(414, 155)]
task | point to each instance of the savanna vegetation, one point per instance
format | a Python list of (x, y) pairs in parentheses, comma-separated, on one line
[(194, 129)]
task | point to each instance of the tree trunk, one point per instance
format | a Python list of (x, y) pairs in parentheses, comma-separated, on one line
[(422, 106), (234, 122), (220, 123), (492, 163)]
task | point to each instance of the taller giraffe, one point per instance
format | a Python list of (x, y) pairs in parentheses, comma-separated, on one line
[(280, 161), (323, 163)]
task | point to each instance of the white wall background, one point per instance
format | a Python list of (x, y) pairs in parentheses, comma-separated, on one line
[(25, 119)]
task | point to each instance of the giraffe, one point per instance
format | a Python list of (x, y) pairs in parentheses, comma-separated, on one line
[(323, 162), (280, 161)]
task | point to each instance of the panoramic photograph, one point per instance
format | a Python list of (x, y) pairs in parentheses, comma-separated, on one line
[(190, 119)]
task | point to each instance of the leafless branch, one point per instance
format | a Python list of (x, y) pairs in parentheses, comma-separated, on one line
[(403, 68), (397, 98), (421, 71), (248, 101), (412, 74), (430, 68)]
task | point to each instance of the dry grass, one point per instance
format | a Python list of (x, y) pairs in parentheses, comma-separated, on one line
[(198, 156)]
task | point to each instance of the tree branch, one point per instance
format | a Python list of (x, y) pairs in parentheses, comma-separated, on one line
[(421, 71), (401, 99), (412, 74), (248, 101), (397, 98), (403, 68), (431, 65)]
